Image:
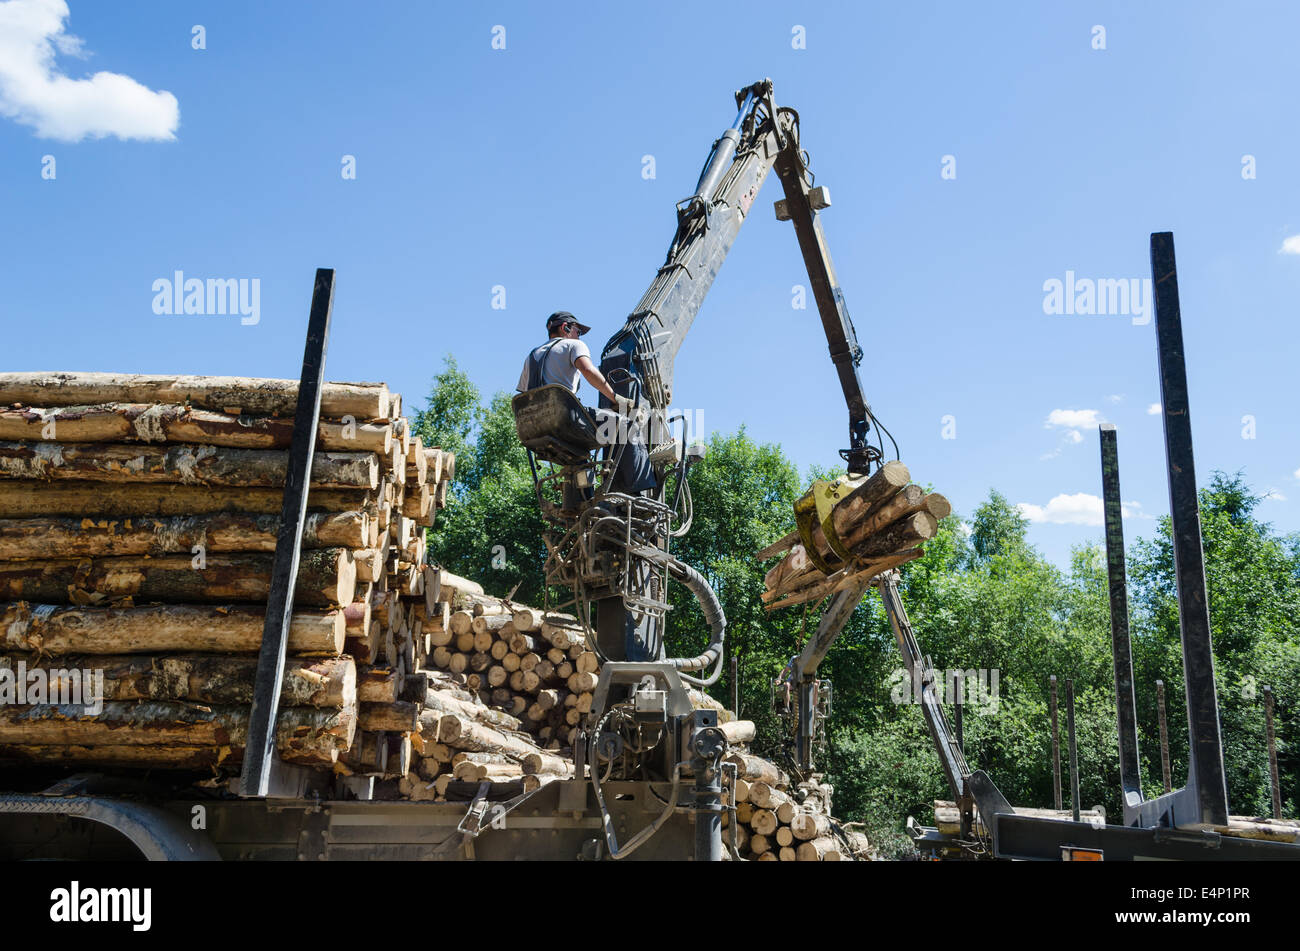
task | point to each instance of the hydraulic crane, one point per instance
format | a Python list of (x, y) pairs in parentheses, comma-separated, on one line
[(615, 491)]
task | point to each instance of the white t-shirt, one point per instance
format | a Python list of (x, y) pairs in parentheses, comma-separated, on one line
[(559, 366)]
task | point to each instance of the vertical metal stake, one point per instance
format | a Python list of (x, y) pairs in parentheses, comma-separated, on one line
[(1206, 778), (735, 687), (259, 754), (1272, 753), (1130, 770), (958, 683), (1164, 736), (1074, 751), (1056, 747)]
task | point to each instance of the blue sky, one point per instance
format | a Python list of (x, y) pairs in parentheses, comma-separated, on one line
[(522, 167)]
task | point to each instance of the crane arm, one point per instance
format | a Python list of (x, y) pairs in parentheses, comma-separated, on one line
[(760, 139)]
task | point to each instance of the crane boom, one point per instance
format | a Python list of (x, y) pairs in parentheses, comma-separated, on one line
[(760, 139)]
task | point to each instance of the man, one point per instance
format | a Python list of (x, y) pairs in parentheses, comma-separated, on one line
[(563, 358)]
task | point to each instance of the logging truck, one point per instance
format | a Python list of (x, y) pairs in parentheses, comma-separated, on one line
[(285, 675)]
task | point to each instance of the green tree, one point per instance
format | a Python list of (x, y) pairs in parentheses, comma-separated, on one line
[(491, 529), (1253, 586)]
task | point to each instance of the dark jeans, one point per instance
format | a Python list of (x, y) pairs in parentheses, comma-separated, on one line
[(634, 473)]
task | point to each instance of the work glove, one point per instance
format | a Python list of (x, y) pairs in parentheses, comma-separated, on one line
[(623, 405)]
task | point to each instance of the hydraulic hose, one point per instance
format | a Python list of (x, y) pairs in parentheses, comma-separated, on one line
[(709, 605)]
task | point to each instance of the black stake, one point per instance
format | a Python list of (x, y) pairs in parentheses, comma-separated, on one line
[(1074, 751), (259, 754), (1130, 770), (1272, 753), (959, 686), (1164, 736), (735, 687), (1206, 777), (1056, 746)]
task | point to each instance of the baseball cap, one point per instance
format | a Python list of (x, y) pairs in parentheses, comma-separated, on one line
[(564, 317)]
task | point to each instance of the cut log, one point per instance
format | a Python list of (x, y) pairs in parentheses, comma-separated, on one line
[(908, 500), (807, 826), (225, 393), (766, 796), (463, 733), (444, 702), (823, 849), (36, 538), (111, 500), (160, 422), (818, 590), (398, 717), (329, 682), (378, 685), (527, 619), (137, 757), (370, 564), (302, 734), (189, 465), (57, 630), (881, 486), (907, 532), (325, 576), (738, 732), (754, 769), (357, 618), (546, 763), (763, 821)]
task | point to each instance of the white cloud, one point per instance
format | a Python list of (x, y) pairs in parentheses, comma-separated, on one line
[(35, 92), (1073, 418), (1297, 473), (1116, 398), (1154, 409), (1274, 495), (1077, 509), (1291, 245)]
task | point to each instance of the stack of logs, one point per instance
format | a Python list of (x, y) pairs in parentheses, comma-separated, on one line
[(138, 522), (534, 667), (882, 522), (778, 822)]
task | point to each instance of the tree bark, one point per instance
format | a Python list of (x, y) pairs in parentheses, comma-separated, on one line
[(807, 826), (92, 536), (189, 465), (823, 849), (53, 629), (206, 678), (302, 734), (112, 500), (160, 422), (400, 716), (224, 393), (325, 576)]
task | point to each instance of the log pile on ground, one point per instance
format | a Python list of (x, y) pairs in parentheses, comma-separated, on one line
[(138, 522), (882, 522)]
